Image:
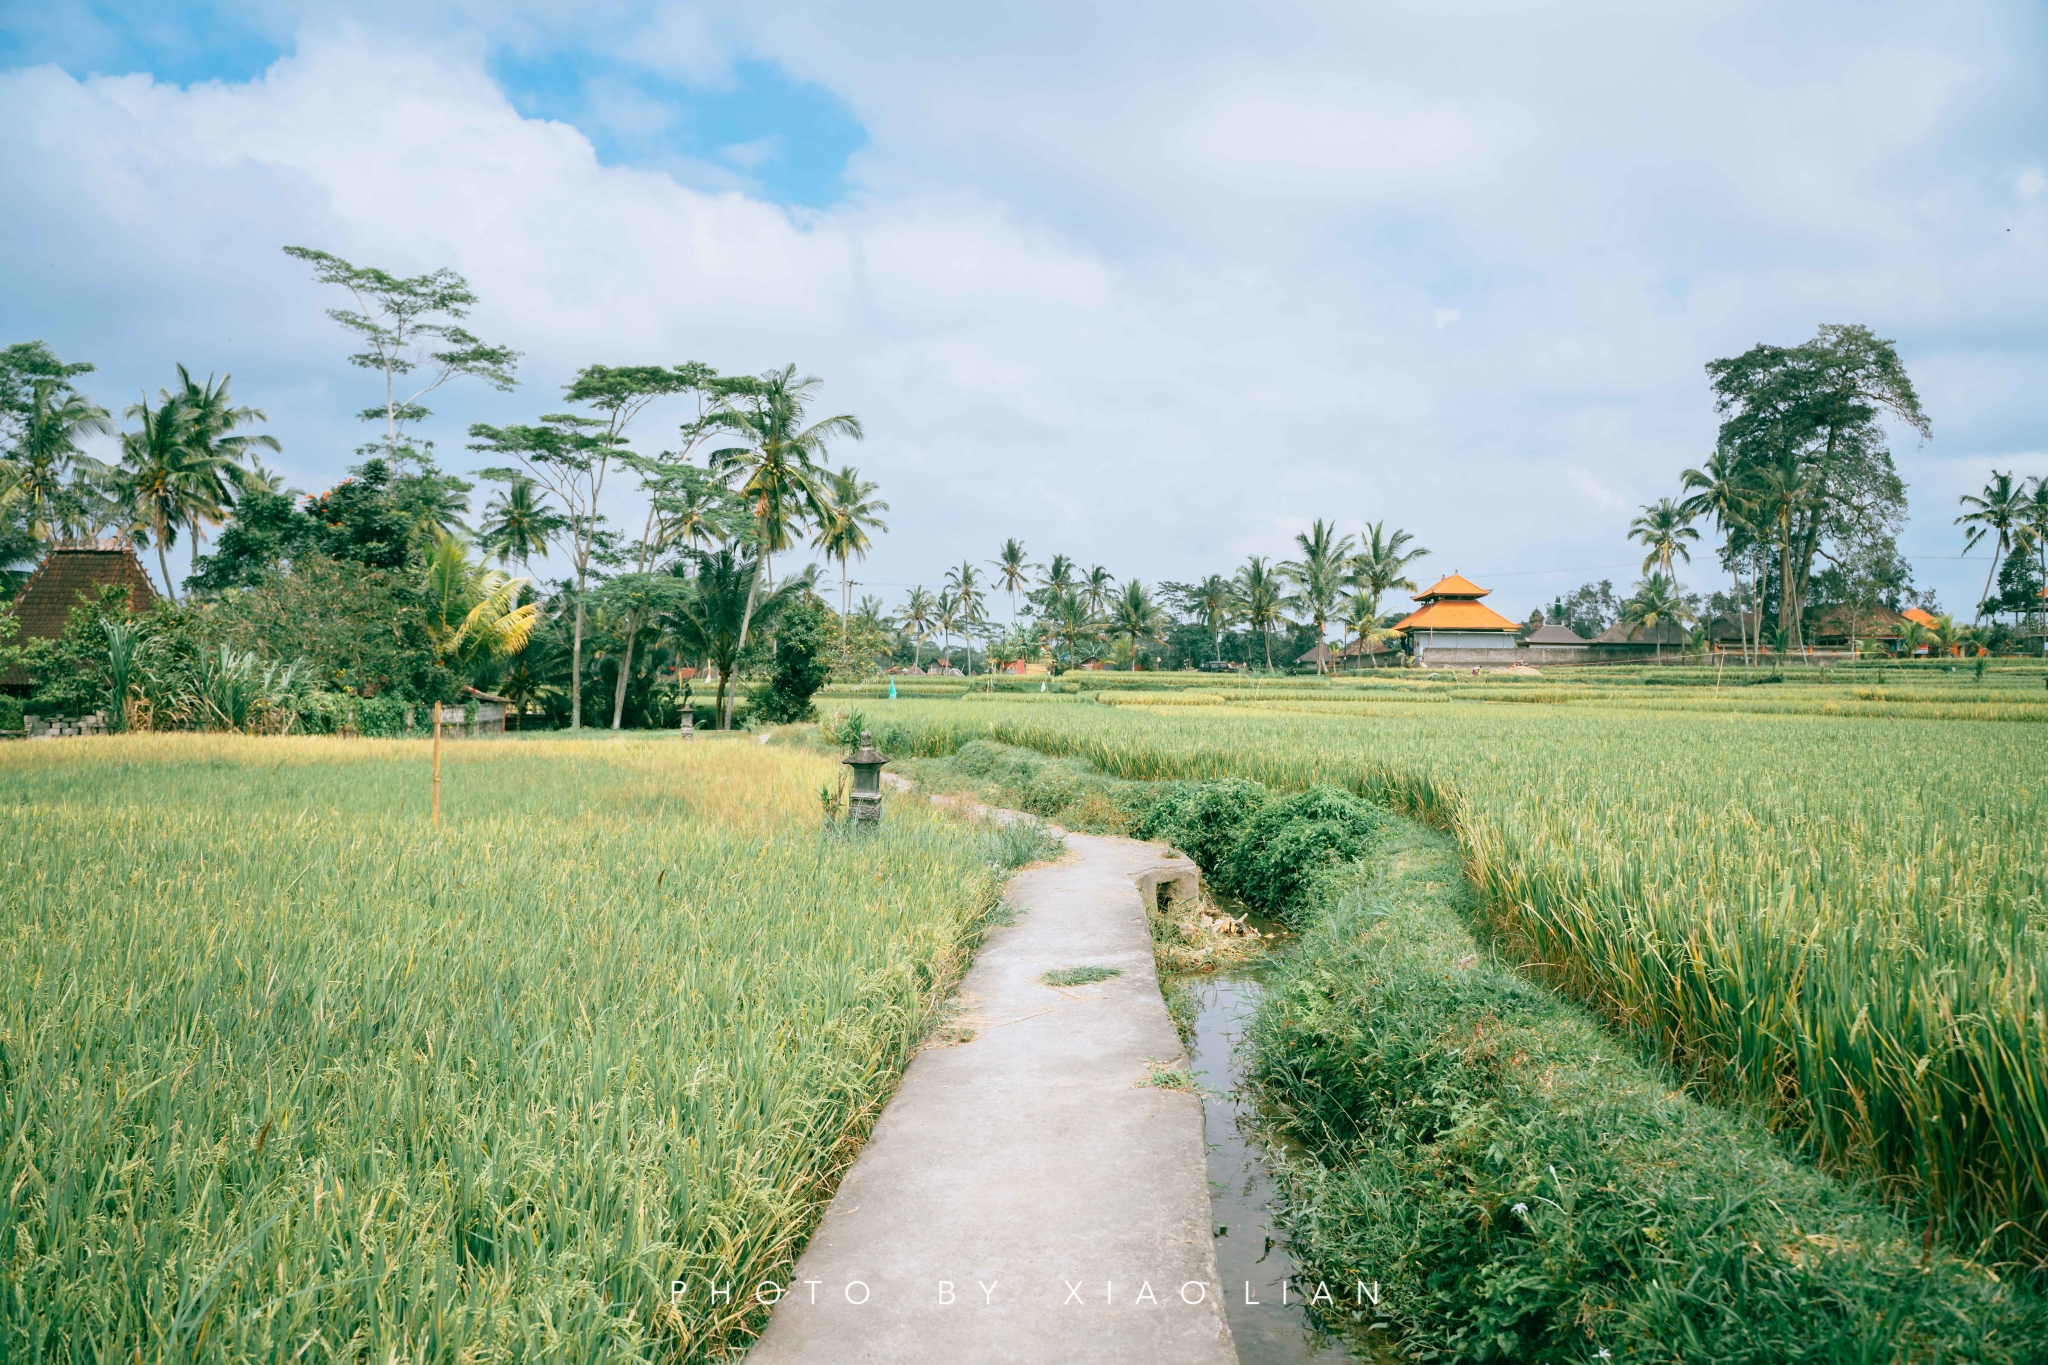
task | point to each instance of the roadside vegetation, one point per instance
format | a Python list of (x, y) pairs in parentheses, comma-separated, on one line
[(289, 1073)]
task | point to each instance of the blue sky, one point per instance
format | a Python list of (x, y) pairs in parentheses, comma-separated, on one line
[(1153, 286)]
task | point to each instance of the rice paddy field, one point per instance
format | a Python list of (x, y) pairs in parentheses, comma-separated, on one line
[(1827, 907), (289, 1073)]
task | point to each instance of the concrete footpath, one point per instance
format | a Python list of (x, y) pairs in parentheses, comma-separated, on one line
[(1027, 1196)]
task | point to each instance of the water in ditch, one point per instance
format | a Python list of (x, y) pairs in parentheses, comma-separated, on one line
[(1262, 1294)]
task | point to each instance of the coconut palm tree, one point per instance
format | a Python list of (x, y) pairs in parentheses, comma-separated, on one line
[(1318, 576), (1994, 513), (850, 512), (1095, 591), (1135, 616), (1664, 527), (1260, 597), (1656, 599), (776, 469), (217, 445), (1721, 490), (155, 473), (712, 620), (40, 471), (1058, 576), (518, 524), (946, 615), (1012, 569), (1381, 564), (1214, 601), (919, 615)]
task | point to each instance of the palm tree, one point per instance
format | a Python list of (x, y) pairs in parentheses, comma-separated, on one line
[(474, 614), (1785, 491), (920, 613), (217, 450), (965, 585), (1096, 589), (256, 477), (1259, 599), (777, 468), (518, 523), (155, 465), (1664, 527), (1215, 602), (1135, 616), (946, 614), (1381, 564), (1058, 576), (712, 621), (1656, 599), (1996, 512), (1722, 491), (1010, 566), (849, 514), (40, 469), (1318, 576), (2037, 521)]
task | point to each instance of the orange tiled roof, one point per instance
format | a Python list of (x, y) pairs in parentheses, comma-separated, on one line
[(1921, 617), (1457, 585), (1455, 614)]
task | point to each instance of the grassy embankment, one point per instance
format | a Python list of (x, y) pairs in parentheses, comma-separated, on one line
[(289, 1074), (1838, 920)]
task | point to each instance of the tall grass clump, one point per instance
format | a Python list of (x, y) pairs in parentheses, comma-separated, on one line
[(287, 1074), (1842, 920)]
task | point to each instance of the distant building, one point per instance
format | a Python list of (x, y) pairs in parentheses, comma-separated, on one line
[(1920, 616), (72, 573), (1452, 626), (1626, 639), (1555, 644)]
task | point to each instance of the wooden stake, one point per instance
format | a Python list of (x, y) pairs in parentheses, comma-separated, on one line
[(437, 763)]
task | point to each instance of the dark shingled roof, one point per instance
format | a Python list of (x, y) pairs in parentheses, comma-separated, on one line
[(1554, 634), (68, 575), (1666, 632)]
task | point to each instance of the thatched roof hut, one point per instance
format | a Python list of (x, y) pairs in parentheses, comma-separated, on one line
[(72, 573)]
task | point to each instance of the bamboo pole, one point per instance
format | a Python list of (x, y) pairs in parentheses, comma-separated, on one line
[(437, 763)]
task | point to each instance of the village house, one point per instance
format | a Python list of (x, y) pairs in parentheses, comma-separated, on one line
[(71, 573)]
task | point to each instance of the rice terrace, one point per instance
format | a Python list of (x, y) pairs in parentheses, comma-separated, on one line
[(1024, 686)]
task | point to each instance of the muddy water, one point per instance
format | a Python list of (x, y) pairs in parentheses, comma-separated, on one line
[(1262, 1293)]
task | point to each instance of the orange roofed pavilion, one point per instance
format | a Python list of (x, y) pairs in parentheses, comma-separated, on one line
[(1452, 619)]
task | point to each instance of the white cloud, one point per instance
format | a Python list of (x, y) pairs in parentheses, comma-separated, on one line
[(1156, 303)]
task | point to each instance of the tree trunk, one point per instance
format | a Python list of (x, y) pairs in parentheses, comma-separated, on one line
[(1996, 555), (576, 662), (625, 670), (726, 695), (1788, 596), (165, 565)]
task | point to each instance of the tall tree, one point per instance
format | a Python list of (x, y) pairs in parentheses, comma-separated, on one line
[(409, 326), (1724, 490), (1095, 590), (570, 456), (45, 471), (851, 511), (1381, 564), (1994, 514), (964, 583), (1213, 602), (1135, 616), (219, 448), (1013, 570), (1808, 418), (776, 467), (1260, 596), (920, 614), (1318, 577), (1664, 528), (155, 474), (518, 523), (712, 621), (946, 615), (473, 614)]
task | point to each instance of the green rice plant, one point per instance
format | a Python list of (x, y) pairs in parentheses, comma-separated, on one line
[(1514, 1187), (1841, 919), (288, 1074), (1079, 976)]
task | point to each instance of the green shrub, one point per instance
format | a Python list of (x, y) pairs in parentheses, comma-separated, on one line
[(1203, 819), (802, 664), (1288, 841), (10, 713), (1521, 1188)]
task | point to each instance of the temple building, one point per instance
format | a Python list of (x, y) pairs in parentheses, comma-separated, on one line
[(1452, 626), (71, 573)]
